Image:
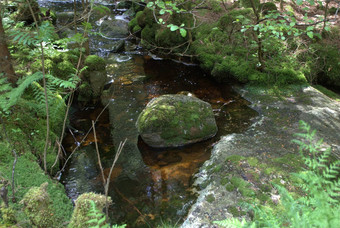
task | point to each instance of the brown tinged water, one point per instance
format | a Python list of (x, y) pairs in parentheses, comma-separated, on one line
[(148, 186)]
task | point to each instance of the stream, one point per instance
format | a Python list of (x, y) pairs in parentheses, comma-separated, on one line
[(148, 186)]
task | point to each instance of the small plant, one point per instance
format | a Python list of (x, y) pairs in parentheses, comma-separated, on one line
[(99, 218), (317, 206)]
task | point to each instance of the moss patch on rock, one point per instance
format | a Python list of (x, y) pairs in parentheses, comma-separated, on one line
[(95, 63), (80, 216), (176, 120)]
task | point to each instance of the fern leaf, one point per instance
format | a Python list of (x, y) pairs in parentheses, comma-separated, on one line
[(16, 93)]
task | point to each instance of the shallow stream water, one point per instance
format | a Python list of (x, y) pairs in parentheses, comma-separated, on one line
[(148, 186)]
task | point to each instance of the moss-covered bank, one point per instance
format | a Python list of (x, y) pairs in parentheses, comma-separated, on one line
[(227, 44)]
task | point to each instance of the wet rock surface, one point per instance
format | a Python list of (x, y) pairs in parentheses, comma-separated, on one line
[(270, 135)]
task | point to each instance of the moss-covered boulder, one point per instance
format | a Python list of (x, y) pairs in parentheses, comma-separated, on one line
[(80, 216), (266, 7), (38, 207), (114, 28), (94, 62), (176, 120)]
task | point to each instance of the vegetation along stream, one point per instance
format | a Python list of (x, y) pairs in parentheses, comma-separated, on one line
[(220, 107), (148, 186)]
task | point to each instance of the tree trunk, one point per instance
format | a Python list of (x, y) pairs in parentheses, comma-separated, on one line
[(5, 58)]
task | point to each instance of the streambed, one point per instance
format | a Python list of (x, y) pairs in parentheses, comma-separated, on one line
[(148, 186)]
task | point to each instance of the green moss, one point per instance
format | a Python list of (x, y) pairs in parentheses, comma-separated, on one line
[(217, 168), (64, 70), (133, 23), (269, 171), (327, 92), (227, 22), (242, 186), (266, 7), (210, 198), (145, 18), (80, 215), (265, 188), (248, 4), (95, 63), (29, 174), (230, 187), (100, 11), (7, 215), (37, 206), (85, 92), (252, 161), (234, 211), (283, 75), (291, 161), (263, 197), (148, 34), (235, 158), (225, 181), (166, 38)]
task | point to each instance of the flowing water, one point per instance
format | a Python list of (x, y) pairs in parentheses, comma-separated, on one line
[(148, 186)]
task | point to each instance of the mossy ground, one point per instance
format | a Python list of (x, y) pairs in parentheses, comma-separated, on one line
[(26, 131), (254, 177)]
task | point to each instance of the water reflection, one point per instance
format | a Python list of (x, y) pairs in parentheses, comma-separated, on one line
[(150, 184)]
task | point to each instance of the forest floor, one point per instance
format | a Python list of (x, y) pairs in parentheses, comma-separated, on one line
[(243, 167)]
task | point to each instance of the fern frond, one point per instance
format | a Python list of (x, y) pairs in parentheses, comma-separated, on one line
[(16, 93), (24, 37), (233, 222), (67, 84), (46, 32)]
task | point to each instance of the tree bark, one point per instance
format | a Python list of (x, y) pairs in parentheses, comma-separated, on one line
[(6, 66)]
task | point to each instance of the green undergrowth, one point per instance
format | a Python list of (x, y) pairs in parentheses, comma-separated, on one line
[(225, 54), (29, 174), (26, 130), (287, 190), (327, 92)]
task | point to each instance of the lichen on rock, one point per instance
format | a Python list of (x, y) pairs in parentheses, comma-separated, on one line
[(176, 120)]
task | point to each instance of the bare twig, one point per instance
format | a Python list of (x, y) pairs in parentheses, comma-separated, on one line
[(4, 192), (106, 182), (120, 148), (57, 157), (79, 144), (98, 155)]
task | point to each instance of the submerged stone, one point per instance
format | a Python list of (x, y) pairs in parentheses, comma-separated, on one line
[(176, 120)]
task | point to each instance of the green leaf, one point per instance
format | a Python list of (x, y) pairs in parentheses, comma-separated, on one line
[(299, 2), (292, 24), (173, 27), (310, 34), (183, 32), (310, 28), (162, 11), (327, 28)]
